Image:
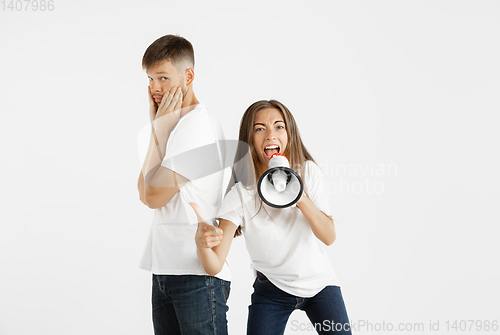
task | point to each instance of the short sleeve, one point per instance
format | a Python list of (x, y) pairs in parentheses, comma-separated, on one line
[(192, 150), (232, 207), (316, 187)]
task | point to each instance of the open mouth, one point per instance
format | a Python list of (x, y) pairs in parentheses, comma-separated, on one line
[(271, 150)]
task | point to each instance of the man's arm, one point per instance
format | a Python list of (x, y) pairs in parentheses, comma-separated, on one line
[(157, 185), (159, 196), (140, 187)]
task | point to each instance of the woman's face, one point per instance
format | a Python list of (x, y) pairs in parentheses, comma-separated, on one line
[(269, 135)]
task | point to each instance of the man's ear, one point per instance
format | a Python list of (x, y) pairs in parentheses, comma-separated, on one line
[(189, 76)]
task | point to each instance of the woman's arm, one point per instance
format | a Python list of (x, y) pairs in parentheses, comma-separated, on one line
[(213, 243), (213, 258), (322, 225)]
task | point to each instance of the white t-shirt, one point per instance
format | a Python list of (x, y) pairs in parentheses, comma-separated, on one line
[(193, 152), (280, 242)]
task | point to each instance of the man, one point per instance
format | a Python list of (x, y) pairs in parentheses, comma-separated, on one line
[(181, 166)]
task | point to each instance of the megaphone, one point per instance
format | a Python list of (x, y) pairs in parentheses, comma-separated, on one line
[(280, 186)]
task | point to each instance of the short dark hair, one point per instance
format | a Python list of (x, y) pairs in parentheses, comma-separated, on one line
[(173, 48)]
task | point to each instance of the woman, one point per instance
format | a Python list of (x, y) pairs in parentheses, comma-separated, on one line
[(286, 246)]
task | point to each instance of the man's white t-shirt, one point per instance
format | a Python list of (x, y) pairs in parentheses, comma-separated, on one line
[(280, 242), (192, 151)]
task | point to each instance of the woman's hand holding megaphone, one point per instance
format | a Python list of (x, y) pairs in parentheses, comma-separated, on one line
[(207, 236)]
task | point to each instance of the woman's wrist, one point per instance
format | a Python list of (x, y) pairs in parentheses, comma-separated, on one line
[(303, 200)]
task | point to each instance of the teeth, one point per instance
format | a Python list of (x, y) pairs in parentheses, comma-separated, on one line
[(272, 147)]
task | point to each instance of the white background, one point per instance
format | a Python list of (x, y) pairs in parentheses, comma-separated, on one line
[(397, 100)]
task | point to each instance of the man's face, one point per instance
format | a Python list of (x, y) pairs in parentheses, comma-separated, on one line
[(162, 77)]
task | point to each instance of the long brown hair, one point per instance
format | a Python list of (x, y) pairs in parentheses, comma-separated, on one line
[(295, 151)]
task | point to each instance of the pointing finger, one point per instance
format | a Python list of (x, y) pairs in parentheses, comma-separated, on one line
[(197, 210)]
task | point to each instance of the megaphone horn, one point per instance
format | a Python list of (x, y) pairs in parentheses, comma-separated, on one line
[(280, 186)]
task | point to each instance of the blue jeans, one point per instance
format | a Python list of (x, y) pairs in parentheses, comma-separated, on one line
[(271, 308), (189, 304)]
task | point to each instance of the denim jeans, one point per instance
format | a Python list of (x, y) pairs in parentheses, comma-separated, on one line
[(271, 308), (189, 304)]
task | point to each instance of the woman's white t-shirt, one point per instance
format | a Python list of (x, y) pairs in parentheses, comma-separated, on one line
[(280, 242)]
